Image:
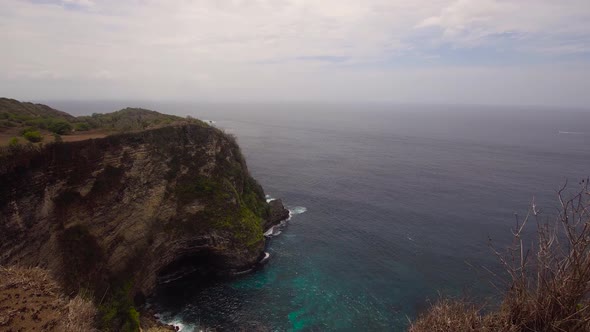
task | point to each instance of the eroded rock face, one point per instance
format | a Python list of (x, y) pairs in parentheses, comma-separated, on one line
[(129, 207)]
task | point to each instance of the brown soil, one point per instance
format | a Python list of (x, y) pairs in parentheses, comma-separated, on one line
[(29, 301), (84, 135), (7, 135)]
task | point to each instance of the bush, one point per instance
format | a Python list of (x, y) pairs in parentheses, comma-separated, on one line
[(82, 126), (33, 136), (60, 127)]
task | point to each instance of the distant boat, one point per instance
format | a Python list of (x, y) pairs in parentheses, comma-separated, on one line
[(571, 133)]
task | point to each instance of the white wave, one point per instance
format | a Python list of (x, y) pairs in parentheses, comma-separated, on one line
[(265, 258), (571, 132), (177, 322), (274, 230), (269, 198), (295, 211), (269, 232)]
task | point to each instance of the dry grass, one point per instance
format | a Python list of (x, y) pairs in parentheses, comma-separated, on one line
[(30, 300), (80, 317), (448, 315), (34, 279), (549, 282)]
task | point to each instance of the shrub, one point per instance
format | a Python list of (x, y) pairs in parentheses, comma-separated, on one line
[(60, 127), (82, 126), (33, 136)]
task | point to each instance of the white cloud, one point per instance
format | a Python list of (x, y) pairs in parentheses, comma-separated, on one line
[(540, 24), (261, 49), (82, 3)]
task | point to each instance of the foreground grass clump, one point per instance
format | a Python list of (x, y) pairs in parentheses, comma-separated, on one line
[(30, 300), (549, 282)]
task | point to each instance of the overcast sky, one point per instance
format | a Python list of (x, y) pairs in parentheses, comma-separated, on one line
[(428, 51)]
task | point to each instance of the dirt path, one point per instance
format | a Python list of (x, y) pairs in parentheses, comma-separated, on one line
[(48, 137)]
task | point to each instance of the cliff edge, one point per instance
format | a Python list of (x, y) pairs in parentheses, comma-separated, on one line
[(116, 215)]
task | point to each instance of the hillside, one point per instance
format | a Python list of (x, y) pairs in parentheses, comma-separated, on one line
[(23, 122), (16, 112)]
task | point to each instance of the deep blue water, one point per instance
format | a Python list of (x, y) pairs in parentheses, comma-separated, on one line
[(400, 203)]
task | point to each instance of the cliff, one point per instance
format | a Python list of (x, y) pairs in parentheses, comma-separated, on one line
[(115, 215)]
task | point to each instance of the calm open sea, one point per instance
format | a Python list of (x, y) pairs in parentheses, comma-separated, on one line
[(399, 203)]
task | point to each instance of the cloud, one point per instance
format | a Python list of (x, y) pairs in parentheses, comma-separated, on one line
[(257, 49), (81, 3), (559, 27)]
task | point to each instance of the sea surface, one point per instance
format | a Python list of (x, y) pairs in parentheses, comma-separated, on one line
[(392, 205)]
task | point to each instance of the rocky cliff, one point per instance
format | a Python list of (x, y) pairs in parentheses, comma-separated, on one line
[(115, 215)]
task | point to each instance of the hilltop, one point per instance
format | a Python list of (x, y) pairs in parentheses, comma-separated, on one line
[(22, 122)]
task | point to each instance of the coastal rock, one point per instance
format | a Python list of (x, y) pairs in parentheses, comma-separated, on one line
[(278, 213)]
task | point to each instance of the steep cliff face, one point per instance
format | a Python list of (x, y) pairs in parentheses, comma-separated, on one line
[(132, 208)]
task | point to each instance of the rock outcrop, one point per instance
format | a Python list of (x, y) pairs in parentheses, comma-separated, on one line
[(277, 213), (122, 211)]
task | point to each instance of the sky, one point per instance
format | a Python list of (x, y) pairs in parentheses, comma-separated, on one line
[(519, 52)]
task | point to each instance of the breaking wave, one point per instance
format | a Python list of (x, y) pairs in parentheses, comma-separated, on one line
[(295, 211), (269, 198), (177, 322)]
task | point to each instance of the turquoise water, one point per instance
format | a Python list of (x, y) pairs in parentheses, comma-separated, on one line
[(401, 201)]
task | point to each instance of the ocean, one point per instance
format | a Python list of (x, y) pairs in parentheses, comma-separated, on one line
[(392, 206)]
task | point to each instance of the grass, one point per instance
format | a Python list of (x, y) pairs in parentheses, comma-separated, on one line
[(548, 286), (30, 299), (80, 317)]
